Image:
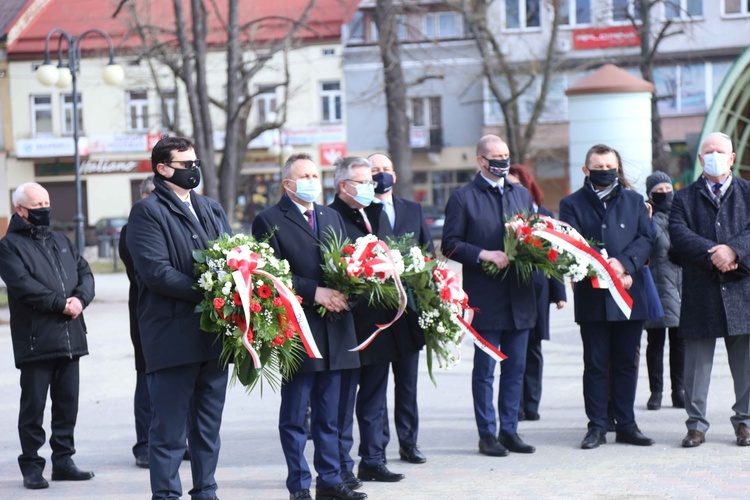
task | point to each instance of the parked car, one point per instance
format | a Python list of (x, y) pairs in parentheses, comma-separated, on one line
[(109, 226), (435, 217)]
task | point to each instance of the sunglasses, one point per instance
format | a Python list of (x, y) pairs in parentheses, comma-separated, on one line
[(186, 164)]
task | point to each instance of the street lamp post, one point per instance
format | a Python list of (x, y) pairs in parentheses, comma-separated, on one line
[(63, 75)]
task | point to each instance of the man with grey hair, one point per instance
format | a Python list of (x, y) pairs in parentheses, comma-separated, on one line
[(355, 191), (49, 285), (708, 226), (295, 227)]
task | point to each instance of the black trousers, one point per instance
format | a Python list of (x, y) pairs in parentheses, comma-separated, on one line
[(61, 377), (655, 359)]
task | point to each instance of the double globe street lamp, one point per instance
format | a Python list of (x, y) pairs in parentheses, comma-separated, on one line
[(64, 74)]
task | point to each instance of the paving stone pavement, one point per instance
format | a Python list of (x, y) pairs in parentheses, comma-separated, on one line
[(252, 466)]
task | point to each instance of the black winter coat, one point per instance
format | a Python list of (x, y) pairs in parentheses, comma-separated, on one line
[(667, 275), (161, 236), (42, 269)]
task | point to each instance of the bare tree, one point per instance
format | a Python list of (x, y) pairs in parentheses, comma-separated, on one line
[(399, 144), (508, 82), (244, 60)]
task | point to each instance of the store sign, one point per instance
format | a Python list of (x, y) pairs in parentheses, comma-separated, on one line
[(602, 38), (50, 147), (118, 143), (108, 167), (330, 152)]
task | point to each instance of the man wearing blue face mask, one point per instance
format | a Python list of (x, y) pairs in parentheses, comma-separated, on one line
[(505, 307), (355, 191), (405, 217), (708, 226)]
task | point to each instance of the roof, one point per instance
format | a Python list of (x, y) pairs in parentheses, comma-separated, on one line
[(610, 79), (8, 11), (266, 21)]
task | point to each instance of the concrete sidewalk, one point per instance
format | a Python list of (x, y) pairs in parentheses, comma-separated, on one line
[(252, 466)]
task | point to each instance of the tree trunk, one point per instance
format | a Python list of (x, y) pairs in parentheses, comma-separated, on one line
[(399, 146)]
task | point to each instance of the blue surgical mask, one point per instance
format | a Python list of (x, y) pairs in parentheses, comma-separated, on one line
[(716, 164), (365, 194), (385, 182), (308, 190)]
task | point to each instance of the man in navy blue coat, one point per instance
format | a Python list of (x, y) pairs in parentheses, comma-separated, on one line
[(186, 383), (709, 230), (405, 217), (297, 225), (506, 308)]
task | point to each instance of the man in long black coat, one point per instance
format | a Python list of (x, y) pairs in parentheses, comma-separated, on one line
[(49, 284), (710, 230), (297, 225), (506, 309), (186, 382), (405, 217)]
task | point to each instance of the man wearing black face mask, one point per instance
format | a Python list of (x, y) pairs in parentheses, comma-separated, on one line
[(505, 307), (185, 380), (405, 217), (50, 282)]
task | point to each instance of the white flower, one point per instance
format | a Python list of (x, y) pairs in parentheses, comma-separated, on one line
[(226, 290), (216, 247), (206, 281)]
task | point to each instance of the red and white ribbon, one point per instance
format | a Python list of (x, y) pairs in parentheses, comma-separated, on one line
[(366, 260), (246, 264)]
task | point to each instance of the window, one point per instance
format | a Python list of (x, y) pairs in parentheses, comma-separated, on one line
[(623, 10), (681, 89), (265, 102), (41, 115), (574, 12), (137, 111), (737, 7), (683, 9), (443, 25), (67, 112), (522, 14), (329, 52), (426, 122), (168, 108), (330, 101)]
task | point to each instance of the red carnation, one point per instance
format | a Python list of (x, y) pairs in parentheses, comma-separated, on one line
[(255, 307), (348, 250), (427, 258), (369, 271), (289, 334), (552, 255), (236, 299), (529, 240), (264, 291), (277, 302), (445, 294), (250, 336), (218, 303), (538, 243), (525, 230), (279, 340)]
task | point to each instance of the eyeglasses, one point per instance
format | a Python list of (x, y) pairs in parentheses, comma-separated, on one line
[(363, 183), (186, 164)]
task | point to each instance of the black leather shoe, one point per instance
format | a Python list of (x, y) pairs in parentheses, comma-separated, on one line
[(142, 461), (35, 481), (515, 444), (350, 480), (490, 446), (743, 435), (633, 436), (654, 402), (411, 454), (678, 399), (593, 439), (300, 495), (532, 415), (379, 473), (70, 473), (693, 439), (340, 491)]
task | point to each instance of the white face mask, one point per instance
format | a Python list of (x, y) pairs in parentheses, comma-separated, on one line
[(308, 190), (716, 164)]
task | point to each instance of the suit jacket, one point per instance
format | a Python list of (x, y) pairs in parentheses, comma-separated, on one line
[(627, 234), (696, 224), (161, 237), (293, 240), (397, 341), (410, 220), (474, 221)]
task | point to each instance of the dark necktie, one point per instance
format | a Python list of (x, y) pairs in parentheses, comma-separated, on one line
[(187, 204), (716, 188), (310, 219)]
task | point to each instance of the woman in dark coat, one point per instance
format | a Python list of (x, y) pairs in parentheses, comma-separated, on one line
[(668, 280), (548, 291), (605, 210)]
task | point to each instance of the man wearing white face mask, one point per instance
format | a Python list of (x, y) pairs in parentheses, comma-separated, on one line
[(708, 227)]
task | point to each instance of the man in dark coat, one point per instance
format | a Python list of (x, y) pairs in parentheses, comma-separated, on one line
[(405, 217), (296, 225), (709, 227), (186, 383), (355, 192), (506, 308), (49, 284), (605, 210)]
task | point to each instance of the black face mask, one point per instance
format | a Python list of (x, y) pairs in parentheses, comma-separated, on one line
[(662, 201), (498, 168), (385, 182), (186, 178), (603, 178), (38, 216)]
